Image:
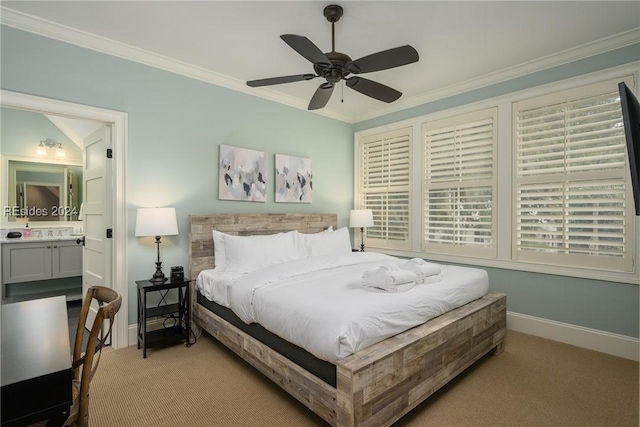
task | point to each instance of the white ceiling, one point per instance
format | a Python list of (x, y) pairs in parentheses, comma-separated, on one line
[(462, 45), (76, 130)]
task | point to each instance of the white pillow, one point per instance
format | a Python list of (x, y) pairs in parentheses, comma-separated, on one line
[(219, 252), (310, 238), (248, 253), (334, 243)]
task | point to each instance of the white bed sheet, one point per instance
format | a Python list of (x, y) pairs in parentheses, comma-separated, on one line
[(319, 304), (216, 285)]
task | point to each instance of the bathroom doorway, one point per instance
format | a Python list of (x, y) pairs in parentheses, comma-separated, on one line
[(115, 208)]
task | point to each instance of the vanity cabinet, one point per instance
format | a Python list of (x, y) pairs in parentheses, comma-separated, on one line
[(28, 262), (66, 259)]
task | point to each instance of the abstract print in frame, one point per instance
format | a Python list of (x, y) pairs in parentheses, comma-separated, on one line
[(294, 179), (242, 175)]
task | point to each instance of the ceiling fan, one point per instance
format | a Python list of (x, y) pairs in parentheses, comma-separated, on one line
[(336, 66)]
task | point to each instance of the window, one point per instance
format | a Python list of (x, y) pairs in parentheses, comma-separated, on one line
[(384, 187), (571, 195), (459, 184), (536, 180)]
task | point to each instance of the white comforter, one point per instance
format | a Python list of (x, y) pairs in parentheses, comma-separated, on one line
[(319, 304)]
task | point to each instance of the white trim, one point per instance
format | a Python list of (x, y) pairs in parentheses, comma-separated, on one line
[(119, 122), (592, 339), (132, 334), (80, 38)]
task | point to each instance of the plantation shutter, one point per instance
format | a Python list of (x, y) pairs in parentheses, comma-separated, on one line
[(459, 184), (385, 173), (572, 204)]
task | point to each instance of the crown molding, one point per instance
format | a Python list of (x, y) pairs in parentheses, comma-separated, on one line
[(87, 40), (570, 55), (84, 39)]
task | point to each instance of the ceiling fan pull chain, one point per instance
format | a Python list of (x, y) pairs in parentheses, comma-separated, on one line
[(342, 94)]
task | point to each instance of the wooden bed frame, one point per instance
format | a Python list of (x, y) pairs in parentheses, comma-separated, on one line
[(375, 386)]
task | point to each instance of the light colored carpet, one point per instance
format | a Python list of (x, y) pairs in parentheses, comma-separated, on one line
[(534, 382)]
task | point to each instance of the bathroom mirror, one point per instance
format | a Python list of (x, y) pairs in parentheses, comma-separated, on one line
[(41, 191)]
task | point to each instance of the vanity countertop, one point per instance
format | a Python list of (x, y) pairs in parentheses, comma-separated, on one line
[(34, 239)]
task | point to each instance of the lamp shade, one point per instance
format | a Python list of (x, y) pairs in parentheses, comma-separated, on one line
[(156, 222), (361, 218)]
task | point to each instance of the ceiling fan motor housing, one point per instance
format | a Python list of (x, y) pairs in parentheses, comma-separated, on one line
[(337, 70)]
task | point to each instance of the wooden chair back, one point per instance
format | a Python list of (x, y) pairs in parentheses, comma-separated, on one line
[(85, 361)]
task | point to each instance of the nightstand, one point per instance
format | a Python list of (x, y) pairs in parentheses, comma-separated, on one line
[(175, 326)]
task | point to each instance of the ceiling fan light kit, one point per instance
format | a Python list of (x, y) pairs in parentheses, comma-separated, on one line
[(336, 66)]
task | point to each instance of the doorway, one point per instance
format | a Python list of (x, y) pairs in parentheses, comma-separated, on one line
[(116, 266)]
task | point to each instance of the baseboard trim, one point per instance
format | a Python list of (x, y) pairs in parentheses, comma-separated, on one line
[(592, 339), (133, 330), (133, 334)]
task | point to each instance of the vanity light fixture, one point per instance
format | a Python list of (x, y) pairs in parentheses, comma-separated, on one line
[(41, 150), (50, 143)]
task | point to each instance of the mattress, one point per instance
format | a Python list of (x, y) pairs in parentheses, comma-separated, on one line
[(319, 304)]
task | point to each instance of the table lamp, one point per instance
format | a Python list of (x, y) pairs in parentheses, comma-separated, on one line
[(361, 218), (156, 222)]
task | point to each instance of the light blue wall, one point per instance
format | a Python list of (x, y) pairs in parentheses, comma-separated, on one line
[(176, 125), (597, 304)]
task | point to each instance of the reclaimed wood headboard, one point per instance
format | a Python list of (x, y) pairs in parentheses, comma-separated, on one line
[(201, 252)]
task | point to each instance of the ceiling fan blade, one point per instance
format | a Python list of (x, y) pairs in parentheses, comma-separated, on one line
[(306, 48), (373, 89), (279, 80), (384, 60), (321, 97)]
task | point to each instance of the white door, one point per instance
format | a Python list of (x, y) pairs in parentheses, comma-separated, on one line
[(96, 256)]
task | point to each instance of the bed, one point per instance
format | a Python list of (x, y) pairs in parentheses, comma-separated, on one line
[(374, 386)]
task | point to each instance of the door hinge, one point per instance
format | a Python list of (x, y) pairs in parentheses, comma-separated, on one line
[(109, 233), (109, 153)]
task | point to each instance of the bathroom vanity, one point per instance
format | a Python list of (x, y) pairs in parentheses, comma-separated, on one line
[(38, 266)]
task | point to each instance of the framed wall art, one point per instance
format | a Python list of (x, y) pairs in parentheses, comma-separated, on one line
[(242, 174), (294, 179)]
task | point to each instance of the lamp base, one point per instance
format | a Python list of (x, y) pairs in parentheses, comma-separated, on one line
[(158, 276)]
